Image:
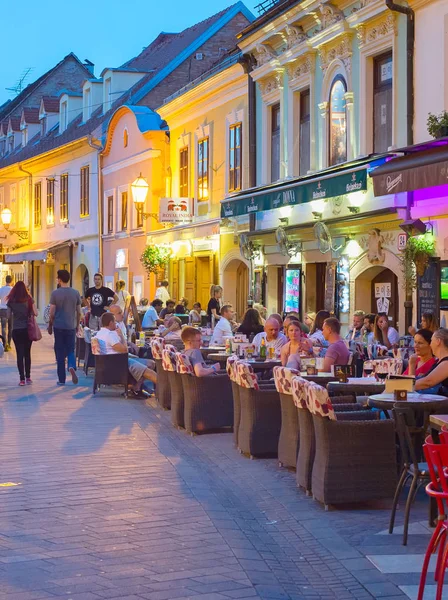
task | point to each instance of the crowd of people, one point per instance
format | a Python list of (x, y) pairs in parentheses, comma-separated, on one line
[(102, 310)]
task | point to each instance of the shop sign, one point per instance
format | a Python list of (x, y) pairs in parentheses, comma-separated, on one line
[(413, 177), (401, 241), (176, 210), (294, 194), (383, 290)]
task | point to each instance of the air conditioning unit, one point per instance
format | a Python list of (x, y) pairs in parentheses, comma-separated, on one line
[(199, 56)]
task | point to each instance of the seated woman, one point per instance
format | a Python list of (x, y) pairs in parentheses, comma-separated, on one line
[(423, 360), (251, 323), (316, 334), (290, 352), (196, 313), (429, 321), (436, 381), (383, 333), (172, 333)]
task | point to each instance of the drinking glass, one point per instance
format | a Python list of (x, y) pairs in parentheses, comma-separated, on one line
[(368, 368), (382, 370)]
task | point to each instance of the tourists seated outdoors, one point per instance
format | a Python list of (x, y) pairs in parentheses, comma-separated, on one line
[(223, 327), (110, 340), (272, 336), (151, 317), (337, 352), (192, 339)]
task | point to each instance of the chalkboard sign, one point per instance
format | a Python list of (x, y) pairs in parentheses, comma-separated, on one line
[(330, 279), (428, 290)]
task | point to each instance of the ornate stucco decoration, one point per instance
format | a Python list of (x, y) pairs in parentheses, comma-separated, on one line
[(368, 33), (294, 35), (330, 15), (340, 49), (301, 66), (271, 84), (264, 53)]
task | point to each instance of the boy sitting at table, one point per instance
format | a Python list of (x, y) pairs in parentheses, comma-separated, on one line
[(192, 339)]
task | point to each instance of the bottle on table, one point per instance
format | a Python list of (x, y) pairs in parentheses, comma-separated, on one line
[(263, 349)]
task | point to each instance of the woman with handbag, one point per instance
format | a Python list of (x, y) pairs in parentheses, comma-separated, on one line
[(22, 309)]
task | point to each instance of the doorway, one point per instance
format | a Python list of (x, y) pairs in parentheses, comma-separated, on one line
[(367, 285), (236, 286), (315, 286)]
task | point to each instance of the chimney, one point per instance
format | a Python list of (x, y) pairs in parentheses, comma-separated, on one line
[(89, 65)]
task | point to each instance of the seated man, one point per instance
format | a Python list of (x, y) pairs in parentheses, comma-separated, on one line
[(192, 339), (223, 327), (151, 317), (272, 336), (133, 349), (111, 341), (337, 352)]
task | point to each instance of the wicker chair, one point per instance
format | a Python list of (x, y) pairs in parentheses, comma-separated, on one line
[(288, 443), (354, 460), (260, 422), (233, 376), (208, 401), (163, 393), (170, 367)]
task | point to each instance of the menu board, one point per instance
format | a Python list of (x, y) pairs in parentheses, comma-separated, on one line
[(292, 290), (428, 290)]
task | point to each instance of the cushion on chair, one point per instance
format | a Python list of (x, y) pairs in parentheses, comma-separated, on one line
[(231, 367), (184, 366), (300, 391), (169, 361), (283, 379), (246, 376), (95, 344), (157, 344), (319, 402)]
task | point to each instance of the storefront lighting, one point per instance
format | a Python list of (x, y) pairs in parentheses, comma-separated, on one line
[(139, 189), (355, 201), (6, 217), (353, 249), (318, 207)]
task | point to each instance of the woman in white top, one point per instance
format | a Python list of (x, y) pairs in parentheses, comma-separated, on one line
[(122, 294), (384, 334), (316, 333)]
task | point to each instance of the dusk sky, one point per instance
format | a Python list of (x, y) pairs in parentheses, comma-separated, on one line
[(107, 33)]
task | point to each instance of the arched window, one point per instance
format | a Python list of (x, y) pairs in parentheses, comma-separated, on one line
[(125, 138), (338, 122)]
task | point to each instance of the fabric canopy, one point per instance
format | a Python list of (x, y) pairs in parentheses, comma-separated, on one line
[(33, 251), (297, 192)]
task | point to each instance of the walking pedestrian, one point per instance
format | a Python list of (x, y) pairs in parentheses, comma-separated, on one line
[(5, 322), (99, 298), (65, 315), (20, 306)]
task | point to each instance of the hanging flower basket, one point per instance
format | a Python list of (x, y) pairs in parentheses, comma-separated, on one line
[(415, 259), (155, 259)]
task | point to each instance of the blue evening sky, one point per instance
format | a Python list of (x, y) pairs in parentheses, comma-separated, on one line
[(106, 32)]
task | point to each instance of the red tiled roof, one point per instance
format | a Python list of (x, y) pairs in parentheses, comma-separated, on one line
[(31, 115), (15, 123), (51, 104)]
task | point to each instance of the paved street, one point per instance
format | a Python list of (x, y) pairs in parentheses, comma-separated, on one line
[(111, 502)]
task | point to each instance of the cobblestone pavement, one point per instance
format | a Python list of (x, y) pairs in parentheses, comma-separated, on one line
[(112, 502)]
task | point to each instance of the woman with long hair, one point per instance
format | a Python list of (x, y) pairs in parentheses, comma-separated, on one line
[(436, 380), (251, 323), (290, 352), (316, 333), (20, 307), (423, 360), (385, 334), (429, 322), (122, 293), (214, 304)]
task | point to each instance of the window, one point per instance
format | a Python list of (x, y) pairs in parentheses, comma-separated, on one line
[(139, 209), (382, 103), (84, 192), (110, 214), (125, 138), (50, 201), (38, 204), (10, 143), (203, 158), (304, 133), (124, 211), (63, 197), (64, 116), (183, 172), (338, 122), (235, 157), (275, 142)]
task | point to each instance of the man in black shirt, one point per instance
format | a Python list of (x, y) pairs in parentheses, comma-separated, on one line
[(99, 297)]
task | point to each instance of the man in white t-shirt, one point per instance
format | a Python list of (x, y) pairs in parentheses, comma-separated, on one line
[(5, 322), (110, 341), (162, 292), (223, 326), (272, 336)]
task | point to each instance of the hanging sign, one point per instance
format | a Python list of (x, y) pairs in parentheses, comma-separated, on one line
[(176, 210)]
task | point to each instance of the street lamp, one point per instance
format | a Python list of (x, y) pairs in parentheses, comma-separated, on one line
[(139, 189), (6, 217)]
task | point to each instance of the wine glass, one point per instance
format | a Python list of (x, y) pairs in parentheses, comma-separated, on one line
[(368, 368), (382, 370)]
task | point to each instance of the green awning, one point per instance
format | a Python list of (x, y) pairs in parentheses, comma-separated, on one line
[(295, 193)]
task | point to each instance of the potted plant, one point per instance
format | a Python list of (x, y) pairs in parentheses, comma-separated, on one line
[(155, 259), (415, 258), (437, 125)]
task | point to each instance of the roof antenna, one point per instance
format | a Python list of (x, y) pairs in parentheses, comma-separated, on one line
[(20, 84)]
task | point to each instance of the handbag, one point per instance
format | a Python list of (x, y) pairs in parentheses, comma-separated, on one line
[(34, 332)]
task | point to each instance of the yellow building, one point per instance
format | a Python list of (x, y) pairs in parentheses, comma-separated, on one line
[(208, 123)]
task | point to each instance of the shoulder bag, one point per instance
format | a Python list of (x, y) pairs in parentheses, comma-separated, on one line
[(34, 332)]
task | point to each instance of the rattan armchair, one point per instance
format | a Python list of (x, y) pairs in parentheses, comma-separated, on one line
[(288, 443), (162, 391)]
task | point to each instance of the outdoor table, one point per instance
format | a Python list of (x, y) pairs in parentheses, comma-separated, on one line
[(322, 379), (211, 350), (257, 365), (337, 388), (425, 403), (438, 421)]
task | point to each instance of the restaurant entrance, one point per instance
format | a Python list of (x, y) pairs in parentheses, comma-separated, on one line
[(376, 290)]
